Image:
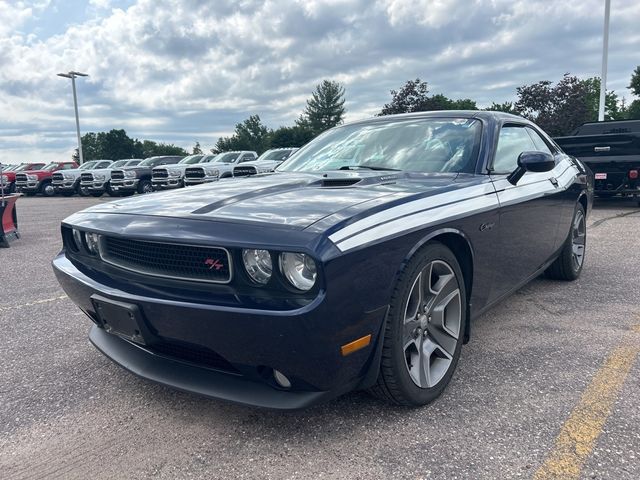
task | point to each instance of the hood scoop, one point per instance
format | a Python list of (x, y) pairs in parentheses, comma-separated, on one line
[(339, 182)]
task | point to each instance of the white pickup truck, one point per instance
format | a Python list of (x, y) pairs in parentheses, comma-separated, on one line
[(267, 162), (221, 166)]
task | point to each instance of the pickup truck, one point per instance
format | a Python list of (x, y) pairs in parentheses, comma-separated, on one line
[(98, 181), (129, 180), (39, 181), (267, 162), (172, 176), (8, 178), (220, 166), (68, 182), (611, 150)]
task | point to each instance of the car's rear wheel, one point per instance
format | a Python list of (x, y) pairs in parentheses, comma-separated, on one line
[(569, 263), (425, 329)]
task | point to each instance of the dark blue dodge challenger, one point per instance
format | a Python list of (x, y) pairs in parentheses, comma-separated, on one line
[(358, 264)]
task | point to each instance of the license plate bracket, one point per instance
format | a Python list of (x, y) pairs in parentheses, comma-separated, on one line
[(121, 318)]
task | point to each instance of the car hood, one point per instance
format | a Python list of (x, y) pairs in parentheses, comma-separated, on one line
[(295, 200)]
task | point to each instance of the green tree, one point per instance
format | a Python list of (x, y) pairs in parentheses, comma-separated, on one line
[(91, 147), (295, 136), (559, 108), (633, 110), (613, 110), (196, 149), (325, 109), (507, 107), (414, 97), (634, 85), (250, 134)]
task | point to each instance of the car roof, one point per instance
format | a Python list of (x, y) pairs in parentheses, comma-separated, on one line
[(487, 115)]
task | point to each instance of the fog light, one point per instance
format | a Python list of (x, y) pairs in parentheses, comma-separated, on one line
[(281, 379)]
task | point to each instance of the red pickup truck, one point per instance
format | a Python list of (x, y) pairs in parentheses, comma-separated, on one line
[(39, 181), (8, 178)]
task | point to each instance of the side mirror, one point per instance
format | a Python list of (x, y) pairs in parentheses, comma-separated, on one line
[(532, 162)]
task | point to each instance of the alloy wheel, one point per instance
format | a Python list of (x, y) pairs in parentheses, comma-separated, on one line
[(578, 239), (432, 322)]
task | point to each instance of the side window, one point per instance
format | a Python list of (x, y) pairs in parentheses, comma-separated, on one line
[(540, 144), (247, 157), (513, 140)]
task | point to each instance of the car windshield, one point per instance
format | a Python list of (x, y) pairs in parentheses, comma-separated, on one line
[(118, 163), (275, 155), (227, 157), (419, 144), (149, 162), (50, 167), (88, 165), (133, 163), (207, 158), (190, 159), (11, 168)]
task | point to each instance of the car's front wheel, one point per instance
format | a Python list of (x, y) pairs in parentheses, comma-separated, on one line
[(145, 186), (425, 329)]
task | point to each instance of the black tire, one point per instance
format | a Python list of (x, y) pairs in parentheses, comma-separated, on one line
[(395, 383), (47, 190), (567, 266), (145, 186), (226, 175), (12, 188), (82, 192)]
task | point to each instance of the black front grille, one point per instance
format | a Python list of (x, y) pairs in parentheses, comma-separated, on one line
[(185, 262), (195, 172), (117, 175), (57, 177), (160, 174), (244, 171), (21, 177), (195, 354), (86, 177)]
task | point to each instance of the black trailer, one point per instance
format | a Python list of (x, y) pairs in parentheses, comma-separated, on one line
[(611, 150)]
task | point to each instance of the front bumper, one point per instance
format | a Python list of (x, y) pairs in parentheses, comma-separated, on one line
[(95, 186), (304, 344), (171, 182), (198, 181), (30, 186), (126, 185), (65, 186)]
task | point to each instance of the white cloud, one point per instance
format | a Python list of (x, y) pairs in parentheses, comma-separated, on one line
[(183, 70)]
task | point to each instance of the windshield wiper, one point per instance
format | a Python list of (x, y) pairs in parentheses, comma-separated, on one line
[(367, 167)]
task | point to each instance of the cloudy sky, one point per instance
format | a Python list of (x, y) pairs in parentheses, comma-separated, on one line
[(185, 70)]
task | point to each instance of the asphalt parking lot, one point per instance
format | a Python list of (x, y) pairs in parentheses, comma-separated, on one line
[(549, 385)]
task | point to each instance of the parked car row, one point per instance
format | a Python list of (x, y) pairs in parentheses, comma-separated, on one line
[(130, 176)]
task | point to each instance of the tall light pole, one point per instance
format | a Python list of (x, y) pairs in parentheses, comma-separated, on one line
[(72, 76), (605, 55)]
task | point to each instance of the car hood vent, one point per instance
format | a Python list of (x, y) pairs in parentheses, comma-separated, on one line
[(340, 182)]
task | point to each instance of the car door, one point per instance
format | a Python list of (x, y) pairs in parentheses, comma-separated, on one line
[(529, 212)]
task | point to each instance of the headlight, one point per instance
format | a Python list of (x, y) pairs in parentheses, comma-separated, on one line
[(93, 240), (213, 172), (99, 177), (299, 269), (258, 265), (4, 179), (32, 178), (129, 174), (77, 239)]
